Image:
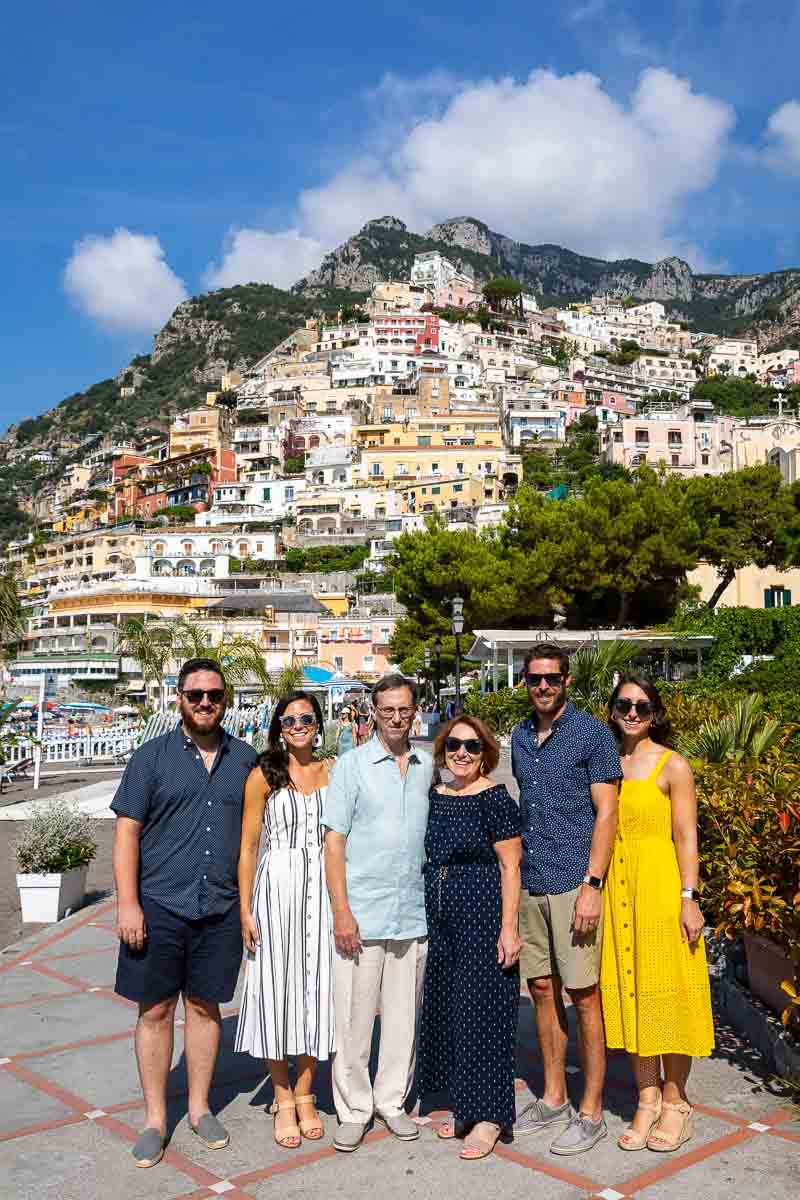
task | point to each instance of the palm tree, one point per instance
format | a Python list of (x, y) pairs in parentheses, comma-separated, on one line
[(594, 670), (239, 657), (290, 679), (150, 645), (12, 624), (742, 733)]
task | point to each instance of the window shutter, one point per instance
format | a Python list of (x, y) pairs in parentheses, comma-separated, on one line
[(769, 598), (787, 598)]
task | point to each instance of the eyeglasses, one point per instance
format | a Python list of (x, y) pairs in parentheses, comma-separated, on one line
[(195, 695), (644, 708), (473, 746), (533, 679), (391, 713), (305, 719)]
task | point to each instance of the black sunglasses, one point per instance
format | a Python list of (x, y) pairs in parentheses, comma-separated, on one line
[(304, 719), (195, 695), (644, 708), (472, 746), (533, 679)]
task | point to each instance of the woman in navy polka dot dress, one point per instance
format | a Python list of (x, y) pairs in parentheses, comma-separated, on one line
[(472, 886)]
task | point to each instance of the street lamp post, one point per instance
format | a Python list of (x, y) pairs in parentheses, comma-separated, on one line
[(427, 655), (458, 629), (437, 650)]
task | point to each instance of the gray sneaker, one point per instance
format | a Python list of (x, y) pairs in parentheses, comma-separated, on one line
[(580, 1135), (211, 1132), (401, 1125), (538, 1115), (148, 1148), (349, 1136)]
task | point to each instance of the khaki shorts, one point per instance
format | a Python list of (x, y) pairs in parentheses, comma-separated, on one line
[(550, 946)]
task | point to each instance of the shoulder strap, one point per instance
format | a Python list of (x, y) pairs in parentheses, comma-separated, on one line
[(657, 768)]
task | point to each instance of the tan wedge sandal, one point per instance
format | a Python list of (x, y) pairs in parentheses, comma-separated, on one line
[(631, 1139), (664, 1143), (311, 1128), (478, 1146), (289, 1138)]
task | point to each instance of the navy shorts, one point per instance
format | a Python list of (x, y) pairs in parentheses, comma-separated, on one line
[(199, 958)]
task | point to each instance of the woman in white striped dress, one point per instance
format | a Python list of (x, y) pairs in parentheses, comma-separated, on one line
[(287, 1004)]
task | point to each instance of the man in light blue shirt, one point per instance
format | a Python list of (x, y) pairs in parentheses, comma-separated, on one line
[(376, 814)]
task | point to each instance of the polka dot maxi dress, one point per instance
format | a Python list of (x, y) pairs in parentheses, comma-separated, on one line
[(469, 1008)]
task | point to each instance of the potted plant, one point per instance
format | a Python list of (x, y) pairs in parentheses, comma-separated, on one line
[(53, 853), (749, 827)]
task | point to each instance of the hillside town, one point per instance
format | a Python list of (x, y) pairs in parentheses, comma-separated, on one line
[(352, 431)]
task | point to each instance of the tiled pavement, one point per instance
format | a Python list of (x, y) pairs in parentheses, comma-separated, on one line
[(70, 1109)]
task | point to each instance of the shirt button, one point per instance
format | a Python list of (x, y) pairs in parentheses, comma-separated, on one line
[(208, 851), (209, 804), (205, 877), (208, 829)]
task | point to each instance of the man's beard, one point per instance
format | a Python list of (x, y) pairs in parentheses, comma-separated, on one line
[(210, 724), (556, 699)]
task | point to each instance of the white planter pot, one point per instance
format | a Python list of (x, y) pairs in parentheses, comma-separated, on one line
[(47, 898)]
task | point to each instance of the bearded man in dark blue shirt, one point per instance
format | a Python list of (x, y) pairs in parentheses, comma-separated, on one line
[(176, 851), (566, 763)]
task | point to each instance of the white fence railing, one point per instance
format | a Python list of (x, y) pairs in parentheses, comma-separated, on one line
[(95, 748)]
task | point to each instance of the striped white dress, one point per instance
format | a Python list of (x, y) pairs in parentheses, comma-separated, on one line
[(287, 1004)]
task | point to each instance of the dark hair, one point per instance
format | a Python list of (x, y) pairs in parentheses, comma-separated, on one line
[(390, 682), (491, 747), (547, 650), (274, 762), (199, 664), (659, 726)]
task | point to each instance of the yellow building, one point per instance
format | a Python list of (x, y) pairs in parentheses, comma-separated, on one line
[(205, 428), (437, 492), (752, 587)]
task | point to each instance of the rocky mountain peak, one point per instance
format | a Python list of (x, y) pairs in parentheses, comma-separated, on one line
[(385, 223), (466, 232)]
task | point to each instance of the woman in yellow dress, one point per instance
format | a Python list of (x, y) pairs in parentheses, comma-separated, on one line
[(654, 977)]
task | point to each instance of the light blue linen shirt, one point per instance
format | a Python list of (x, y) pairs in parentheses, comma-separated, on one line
[(384, 816)]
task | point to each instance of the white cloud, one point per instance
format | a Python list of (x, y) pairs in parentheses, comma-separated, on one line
[(253, 255), (547, 159), (123, 281), (783, 138)]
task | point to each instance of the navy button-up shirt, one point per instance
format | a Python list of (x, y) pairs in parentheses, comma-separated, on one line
[(555, 795), (191, 821)]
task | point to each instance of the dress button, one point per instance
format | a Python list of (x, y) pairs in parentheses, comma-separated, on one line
[(631, 995), (622, 860), (625, 926), (624, 905)]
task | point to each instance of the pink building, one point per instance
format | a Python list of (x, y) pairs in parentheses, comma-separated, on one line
[(350, 646)]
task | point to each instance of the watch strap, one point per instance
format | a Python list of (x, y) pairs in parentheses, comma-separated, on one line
[(594, 881), (690, 894)]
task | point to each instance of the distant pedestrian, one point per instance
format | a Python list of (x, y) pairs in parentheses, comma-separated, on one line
[(566, 763), (346, 732), (472, 888), (176, 847), (375, 815), (287, 1003), (656, 998)]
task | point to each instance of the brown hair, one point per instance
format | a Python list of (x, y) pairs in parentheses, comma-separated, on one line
[(547, 650), (490, 756)]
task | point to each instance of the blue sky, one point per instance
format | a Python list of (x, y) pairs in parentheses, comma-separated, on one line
[(151, 151)]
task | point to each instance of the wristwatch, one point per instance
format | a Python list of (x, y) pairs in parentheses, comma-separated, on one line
[(690, 894), (594, 881)]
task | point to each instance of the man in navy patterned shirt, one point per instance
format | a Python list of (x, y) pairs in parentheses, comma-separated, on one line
[(567, 766), (176, 850)]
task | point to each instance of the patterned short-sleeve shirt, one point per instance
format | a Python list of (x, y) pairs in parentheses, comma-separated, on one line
[(555, 798), (191, 821)]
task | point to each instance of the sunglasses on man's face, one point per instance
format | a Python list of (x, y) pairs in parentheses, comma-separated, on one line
[(644, 708), (533, 679), (195, 695), (305, 719), (473, 746)]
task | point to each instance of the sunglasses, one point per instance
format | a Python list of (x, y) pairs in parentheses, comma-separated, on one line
[(533, 679), (305, 719), (472, 746), (644, 708), (401, 714), (195, 695)]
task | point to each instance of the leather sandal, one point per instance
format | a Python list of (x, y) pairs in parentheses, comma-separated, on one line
[(664, 1143), (631, 1139), (311, 1128), (477, 1146), (292, 1133)]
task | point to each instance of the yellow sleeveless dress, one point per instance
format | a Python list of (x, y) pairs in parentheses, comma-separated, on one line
[(655, 989)]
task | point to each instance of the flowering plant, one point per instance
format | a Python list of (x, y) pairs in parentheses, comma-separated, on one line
[(54, 841)]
